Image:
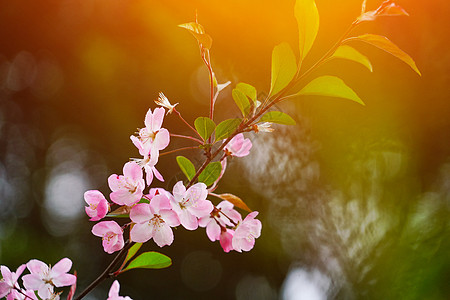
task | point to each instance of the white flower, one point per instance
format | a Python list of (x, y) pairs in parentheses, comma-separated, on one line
[(164, 102)]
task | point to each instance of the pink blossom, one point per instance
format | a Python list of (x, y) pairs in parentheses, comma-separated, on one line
[(246, 232), (152, 137), (9, 281), (191, 204), (218, 219), (154, 220), (98, 205), (127, 188), (112, 235), (114, 292), (238, 146), (43, 278), (148, 162)]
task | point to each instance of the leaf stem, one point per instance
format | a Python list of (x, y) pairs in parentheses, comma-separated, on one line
[(187, 137), (106, 272), (185, 122), (176, 150)]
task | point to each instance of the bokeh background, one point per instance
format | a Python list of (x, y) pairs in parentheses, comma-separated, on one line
[(354, 200)]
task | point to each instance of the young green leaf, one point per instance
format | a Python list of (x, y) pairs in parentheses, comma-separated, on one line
[(132, 251), (385, 44), (186, 166), (307, 17), (284, 67), (277, 117), (241, 101), (150, 260), (225, 128), (204, 126), (247, 89), (235, 200), (199, 33), (330, 86), (347, 52), (210, 173)]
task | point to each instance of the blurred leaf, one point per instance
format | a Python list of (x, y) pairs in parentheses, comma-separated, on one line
[(132, 251), (277, 117), (210, 173), (247, 89), (241, 101), (186, 166), (350, 53), (205, 127), (307, 17), (385, 44), (235, 200), (284, 67), (199, 33), (227, 127), (150, 260), (330, 86)]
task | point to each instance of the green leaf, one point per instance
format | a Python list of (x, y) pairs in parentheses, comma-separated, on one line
[(210, 173), (330, 86), (385, 44), (132, 251), (225, 128), (204, 126), (277, 117), (347, 52), (247, 89), (199, 33), (241, 101), (149, 260), (186, 166), (307, 17), (284, 67)]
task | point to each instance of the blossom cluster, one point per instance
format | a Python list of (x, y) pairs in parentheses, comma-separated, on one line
[(153, 214), (39, 283)]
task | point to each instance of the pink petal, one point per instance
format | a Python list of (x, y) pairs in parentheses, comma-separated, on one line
[(115, 182), (124, 197), (93, 197), (179, 190), (160, 202), (133, 171), (104, 227), (62, 266), (201, 208), (64, 280), (141, 213), (157, 174), (37, 267), (226, 240), (149, 174), (45, 291), (141, 233), (163, 235), (32, 281), (213, 231), (5, 289), (114, 290), (170, 217), (188, 221), (162, 139)]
